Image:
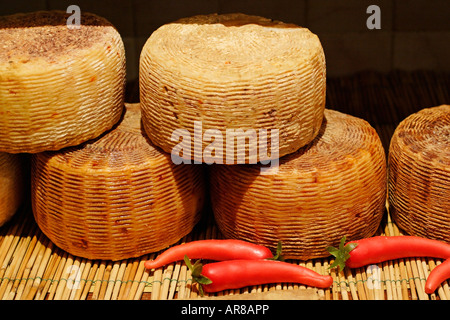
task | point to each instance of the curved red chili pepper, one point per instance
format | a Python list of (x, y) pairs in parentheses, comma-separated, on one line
[(234, 274), (212, 249), (382, 248), (438, 275), (378, 249)]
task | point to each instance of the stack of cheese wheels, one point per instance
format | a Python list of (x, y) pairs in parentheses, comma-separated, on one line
[(333, 187), (11, 185), (59, 86), (419, 173), (116, 196), (225, 79)]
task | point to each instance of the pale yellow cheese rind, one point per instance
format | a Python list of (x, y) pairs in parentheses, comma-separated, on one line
[(59, 87), (232, 72)]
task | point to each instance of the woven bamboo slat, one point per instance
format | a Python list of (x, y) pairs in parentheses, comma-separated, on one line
[(34, 269)]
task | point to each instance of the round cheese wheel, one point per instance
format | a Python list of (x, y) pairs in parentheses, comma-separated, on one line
[(116, 196), (11, 185), (233, 80), (333, 187), (59, 86), (419, 173)]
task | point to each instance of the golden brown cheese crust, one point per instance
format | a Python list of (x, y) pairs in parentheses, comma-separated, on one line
[(334, 186), (117, 196), (12, 185), (426, 134), (419, 173), (115, 150)]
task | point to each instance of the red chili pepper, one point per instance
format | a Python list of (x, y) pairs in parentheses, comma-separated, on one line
[(438, 275), (381, 248), (234, 274), (214, 249)]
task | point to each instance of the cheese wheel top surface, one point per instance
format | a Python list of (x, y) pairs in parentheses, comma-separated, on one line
[(230, 47), (426, 133), (28, 38), (343, 143), (342, 139), (123, 146)]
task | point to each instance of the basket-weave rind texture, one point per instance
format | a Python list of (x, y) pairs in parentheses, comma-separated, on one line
[(117, 196), (59, 87), (419, 173), (334, 186), (232, 72), (12, 185)]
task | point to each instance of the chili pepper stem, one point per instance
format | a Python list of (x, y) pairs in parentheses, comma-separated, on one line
[(196, 270), (278, 256), (378, 249), (342, 254)]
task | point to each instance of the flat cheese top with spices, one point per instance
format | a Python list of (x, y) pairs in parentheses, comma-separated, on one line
[(426, 134), (232, 46), (45, 35)]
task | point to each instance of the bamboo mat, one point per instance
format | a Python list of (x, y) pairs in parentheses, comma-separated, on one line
[(32, 268)]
